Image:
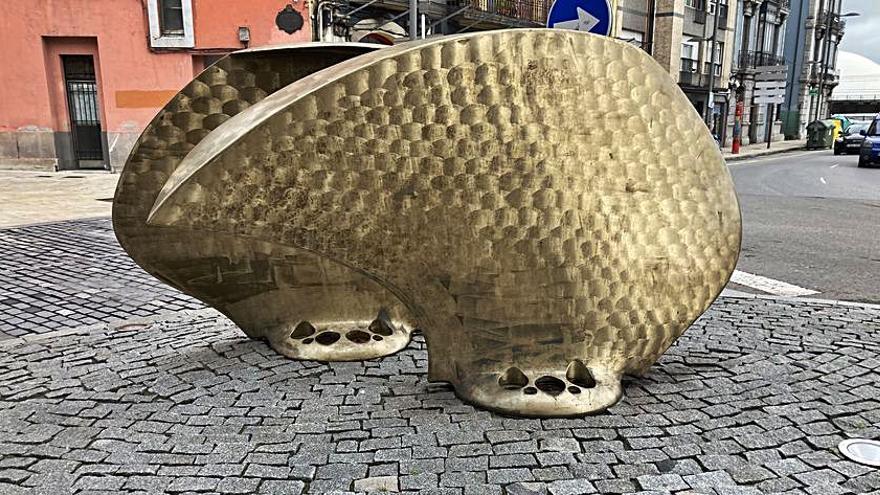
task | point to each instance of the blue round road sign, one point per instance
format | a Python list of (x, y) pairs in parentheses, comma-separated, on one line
[(592, 16)]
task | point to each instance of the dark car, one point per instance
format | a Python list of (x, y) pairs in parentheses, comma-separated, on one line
[(851, 140), (869, 153)]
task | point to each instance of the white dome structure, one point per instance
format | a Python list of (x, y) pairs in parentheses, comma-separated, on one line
[(859, 77), (858, 94)]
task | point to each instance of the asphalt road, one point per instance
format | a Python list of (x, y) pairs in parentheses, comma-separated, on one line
[(811, 219)]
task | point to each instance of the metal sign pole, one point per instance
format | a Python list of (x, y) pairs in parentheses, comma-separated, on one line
[(413, 19), (710, 98), (737, 125)]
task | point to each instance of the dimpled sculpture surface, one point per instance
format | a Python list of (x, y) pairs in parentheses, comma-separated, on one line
[(280, 293), (546, 205)]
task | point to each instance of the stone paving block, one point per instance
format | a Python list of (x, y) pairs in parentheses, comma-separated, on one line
[(709, 480), (419, 466), (554, 458), (377, 484), (560, 445), (238, 485), (668, 482), (508, 475), (592, 471), (778, 485), (680, 467), (483, 490), (614, 486), (571, 487), (100, 482), (526, 488), (480, 463), (551, 473), (282, 487), (820, 477), (421, 481), (462, 479), (788, 467), (470, 450)]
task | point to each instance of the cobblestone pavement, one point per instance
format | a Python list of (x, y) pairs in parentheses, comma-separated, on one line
[(74, 273), (752, 399)]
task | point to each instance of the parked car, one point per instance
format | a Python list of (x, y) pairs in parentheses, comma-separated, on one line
[(851, 140), (869, 153)]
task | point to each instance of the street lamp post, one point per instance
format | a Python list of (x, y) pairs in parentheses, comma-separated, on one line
[(830, 18)]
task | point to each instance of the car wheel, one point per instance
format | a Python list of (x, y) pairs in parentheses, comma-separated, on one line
[(862, 163), (836, 151)]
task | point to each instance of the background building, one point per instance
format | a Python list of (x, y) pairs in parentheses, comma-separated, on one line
[(81, 78), (815, 31), (759, 45)]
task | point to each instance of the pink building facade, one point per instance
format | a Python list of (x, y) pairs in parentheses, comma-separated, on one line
[(79, 79)]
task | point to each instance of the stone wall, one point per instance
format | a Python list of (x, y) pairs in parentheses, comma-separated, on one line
[(28, 149)]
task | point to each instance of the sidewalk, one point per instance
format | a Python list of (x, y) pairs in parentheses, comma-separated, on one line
[(28, 197), (760, 149)]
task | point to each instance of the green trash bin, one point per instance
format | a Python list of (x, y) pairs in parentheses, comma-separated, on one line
[(820, 134)]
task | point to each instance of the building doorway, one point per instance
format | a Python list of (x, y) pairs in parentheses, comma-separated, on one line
[(82, 104)]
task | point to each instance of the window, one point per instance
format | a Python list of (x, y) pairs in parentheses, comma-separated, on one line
[(171, 23), (719, 52), (715, 66), (689, 50), (171, 17)]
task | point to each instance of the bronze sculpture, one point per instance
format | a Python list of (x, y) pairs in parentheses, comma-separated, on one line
[(477, 185)]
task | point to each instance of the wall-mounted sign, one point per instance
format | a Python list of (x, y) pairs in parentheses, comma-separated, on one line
[(592, 16), (289, 20)]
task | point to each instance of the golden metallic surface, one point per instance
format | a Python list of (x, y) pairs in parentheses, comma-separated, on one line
[(546, 204), (269, 290)]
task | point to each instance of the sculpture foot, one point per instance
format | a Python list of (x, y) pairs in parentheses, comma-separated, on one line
[(340, 341), (542, 392)]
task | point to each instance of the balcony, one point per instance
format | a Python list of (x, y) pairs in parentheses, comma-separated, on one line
[(751, 59), (493, 14), (689, 76), (472, 14), (832, 74)]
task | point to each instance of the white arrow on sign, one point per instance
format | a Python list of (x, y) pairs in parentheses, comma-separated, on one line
[(584, 22)]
